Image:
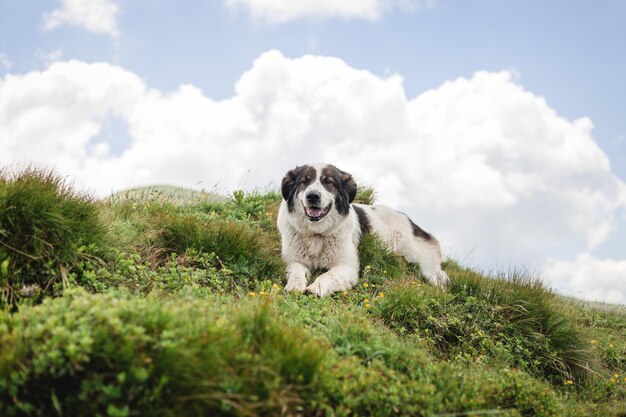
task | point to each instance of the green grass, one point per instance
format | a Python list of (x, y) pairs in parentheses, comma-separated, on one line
[(109, 354), (172, 194), (47, 230), (510, 319), (175, 307)]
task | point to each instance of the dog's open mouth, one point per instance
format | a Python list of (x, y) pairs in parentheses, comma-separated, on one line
[(316, 213)]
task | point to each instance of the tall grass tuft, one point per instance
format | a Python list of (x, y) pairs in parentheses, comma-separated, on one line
[(378, 263), (245, 250), (46, 230), (510, 318)]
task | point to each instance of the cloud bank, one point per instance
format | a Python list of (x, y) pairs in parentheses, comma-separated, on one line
[(485, 165), (97, 16), (589, 278), (280, 11)]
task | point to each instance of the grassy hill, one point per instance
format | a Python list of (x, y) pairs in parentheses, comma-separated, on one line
[(170, 193), (145, 306)]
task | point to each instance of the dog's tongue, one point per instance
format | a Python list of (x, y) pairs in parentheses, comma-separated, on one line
[(313, 211)]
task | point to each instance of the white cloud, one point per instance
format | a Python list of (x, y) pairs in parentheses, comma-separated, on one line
[(97, 16), (5, 62), (280, 11), (589, 278), (488, 167)]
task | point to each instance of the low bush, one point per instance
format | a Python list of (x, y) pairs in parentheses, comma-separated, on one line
[(85, 355), (46, 231)]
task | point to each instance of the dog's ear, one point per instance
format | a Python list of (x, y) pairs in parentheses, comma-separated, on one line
[(349, 184), (289, 182)]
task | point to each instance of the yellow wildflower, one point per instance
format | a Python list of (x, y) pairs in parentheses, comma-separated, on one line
[(366, 285), (569, 382), (276, 286), (345, 293), (367, 306), (252, 294), (381, 294), (594, 341), (263, 293), (367, 300)]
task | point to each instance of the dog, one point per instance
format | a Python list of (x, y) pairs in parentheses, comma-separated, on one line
[(320, 229)]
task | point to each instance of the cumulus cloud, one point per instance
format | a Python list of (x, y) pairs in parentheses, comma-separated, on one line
[(97, 16), (482, 163), (589, 278), (279, 11)]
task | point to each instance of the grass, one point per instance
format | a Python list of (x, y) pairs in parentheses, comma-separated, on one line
[(46, 231), (176, 308)]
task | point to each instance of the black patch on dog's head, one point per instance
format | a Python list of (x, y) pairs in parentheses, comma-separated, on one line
[(364, 221), (419, 232), (341, 185), (296, 180)]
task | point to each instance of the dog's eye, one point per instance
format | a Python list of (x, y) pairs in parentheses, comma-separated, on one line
[(328, 180), (304, 180)]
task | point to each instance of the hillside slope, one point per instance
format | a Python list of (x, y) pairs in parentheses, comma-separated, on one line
[(142, 306)]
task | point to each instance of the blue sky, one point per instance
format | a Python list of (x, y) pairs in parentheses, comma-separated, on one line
[(475, 117), (573, 53)]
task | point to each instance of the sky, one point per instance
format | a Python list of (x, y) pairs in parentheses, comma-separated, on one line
[(498, 126)]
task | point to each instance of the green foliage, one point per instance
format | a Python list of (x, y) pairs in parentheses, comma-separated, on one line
[(254, 208), (378, 263), (238, 247), (365, 195), (185, 317), (46, 231), (513, 320), (112, 355)]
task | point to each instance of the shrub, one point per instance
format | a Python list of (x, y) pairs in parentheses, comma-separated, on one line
[(85, 355), (46, 230), (373, 371), (352, 388)]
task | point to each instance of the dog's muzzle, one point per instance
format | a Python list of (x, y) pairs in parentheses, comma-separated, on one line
[(316, 213)]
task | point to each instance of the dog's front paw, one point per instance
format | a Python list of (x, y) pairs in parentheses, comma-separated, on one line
[(319, 287), (295, 285), (440, 279)]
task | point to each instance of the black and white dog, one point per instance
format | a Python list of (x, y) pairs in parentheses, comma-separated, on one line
[(320, 229)]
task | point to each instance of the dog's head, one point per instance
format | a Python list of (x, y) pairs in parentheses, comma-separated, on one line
[(318, 190)]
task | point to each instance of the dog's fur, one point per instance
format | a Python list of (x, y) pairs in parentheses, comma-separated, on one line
[(320, 229)]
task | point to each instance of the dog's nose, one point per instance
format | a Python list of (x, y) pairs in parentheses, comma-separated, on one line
[(313, 197)]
